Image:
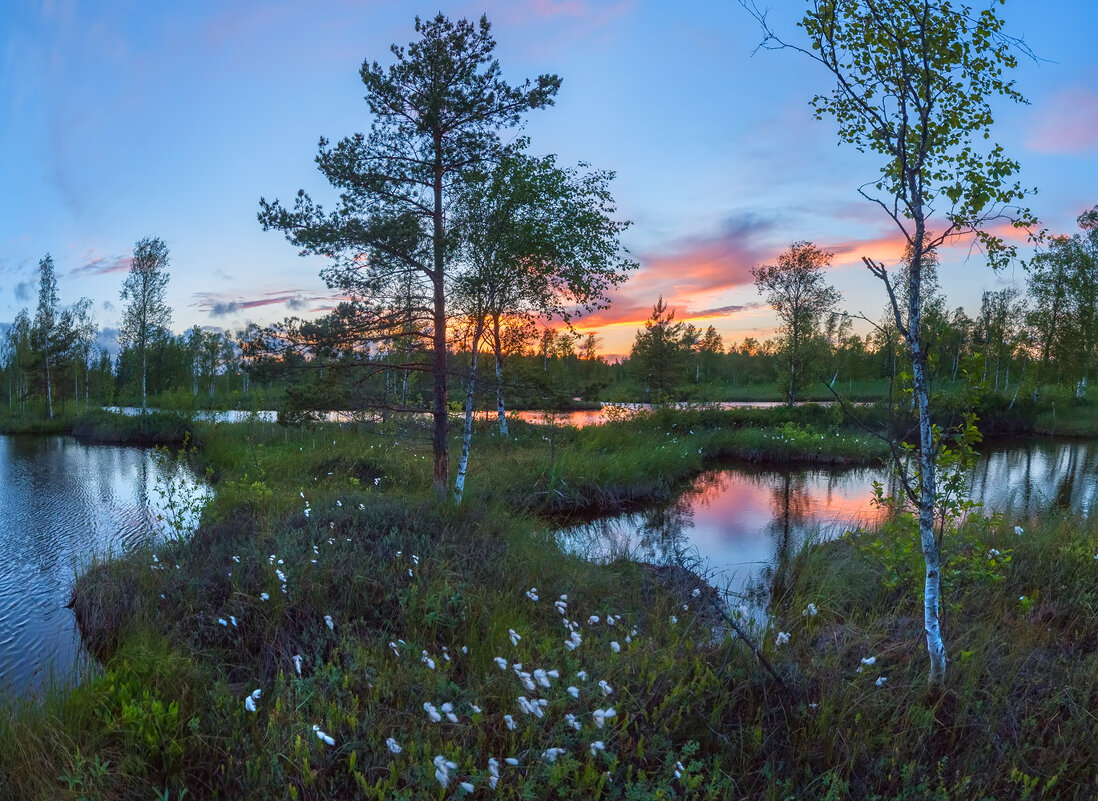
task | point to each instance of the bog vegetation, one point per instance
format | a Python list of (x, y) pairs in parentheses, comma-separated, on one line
[(341, 626)]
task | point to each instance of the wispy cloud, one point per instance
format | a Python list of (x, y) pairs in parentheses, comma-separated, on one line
[(103, 265), (222, 305), (692, 272), (1067, 123)]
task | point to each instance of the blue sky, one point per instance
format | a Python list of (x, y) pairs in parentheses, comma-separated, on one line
[(124, 119)]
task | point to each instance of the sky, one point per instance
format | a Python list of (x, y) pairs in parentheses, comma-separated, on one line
[(121, 119)]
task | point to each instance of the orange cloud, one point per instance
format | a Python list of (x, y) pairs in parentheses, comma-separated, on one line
[(889, 249), (1067, 123)]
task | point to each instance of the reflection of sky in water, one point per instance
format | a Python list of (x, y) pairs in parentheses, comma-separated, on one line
[(739, 520), (63, 504)]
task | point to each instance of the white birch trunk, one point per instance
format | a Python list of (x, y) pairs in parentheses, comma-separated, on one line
[(500, 410), (927, 488), (49, 388), (467, 434)]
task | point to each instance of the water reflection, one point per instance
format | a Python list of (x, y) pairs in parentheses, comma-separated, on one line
[(738, 522), (61, 504)]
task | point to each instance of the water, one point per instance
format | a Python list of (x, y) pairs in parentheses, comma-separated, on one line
[(739, 521), (595, 417), (61, 505)]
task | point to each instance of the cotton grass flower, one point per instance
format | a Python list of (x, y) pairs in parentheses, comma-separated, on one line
[(881, 681), (532, 593), (510, 721), (393, 745), (297, 663), (514, 635), (615, 647), (603, 715), (597, 746), (501, 662), (443, 766), (605, 687), (512, 762), (551, 754), (782, 638), (493, 772), (467, 787), (323, 737), (432, 712), (573, 721), (329, 622), (574, 692), (810, 611)]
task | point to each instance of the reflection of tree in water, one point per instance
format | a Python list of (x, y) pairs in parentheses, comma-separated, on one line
[(657, 535), (790, 520)]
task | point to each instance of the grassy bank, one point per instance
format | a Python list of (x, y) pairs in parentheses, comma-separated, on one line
[(99, 427), (326, 544), (1017, 718)]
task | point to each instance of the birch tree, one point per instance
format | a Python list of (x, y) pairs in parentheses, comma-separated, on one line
[(46, 320), (540, 241), (438, 111), (914, 83), (795, 287), (146, 311)]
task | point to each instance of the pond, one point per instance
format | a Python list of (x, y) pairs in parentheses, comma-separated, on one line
[(63, 504), (736, 522)]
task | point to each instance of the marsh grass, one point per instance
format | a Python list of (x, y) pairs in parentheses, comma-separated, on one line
[(405, 579)]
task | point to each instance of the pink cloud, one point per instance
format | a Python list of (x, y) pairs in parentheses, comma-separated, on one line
[(103, 265), (1067, 123)]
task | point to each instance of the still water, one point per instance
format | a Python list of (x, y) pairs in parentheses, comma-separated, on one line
[(61, 505), (736, 522)]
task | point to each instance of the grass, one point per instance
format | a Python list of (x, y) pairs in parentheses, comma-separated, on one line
[(423, 597)]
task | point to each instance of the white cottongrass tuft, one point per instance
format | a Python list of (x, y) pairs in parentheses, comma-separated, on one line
[(432, 712), (514, 635), (606, 688), (574, 692), (615, 647), (330, 623), (810, 611), (320, 735), (532, 593), (393, 745), (443, 766), (602, 715), (597, 746), (573, 721), (512, 762), (551, 754), (881, 681), (297, 663), (501, 662), (782, 638), (510, 721)]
